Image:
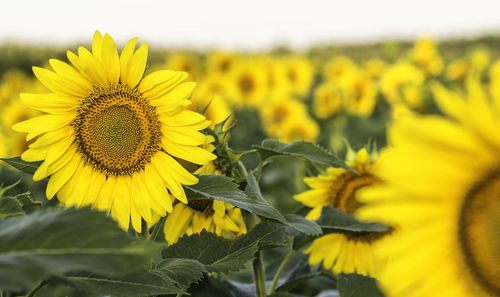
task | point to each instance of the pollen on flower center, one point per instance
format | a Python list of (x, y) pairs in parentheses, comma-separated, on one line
[(479, 235), (116, 130)]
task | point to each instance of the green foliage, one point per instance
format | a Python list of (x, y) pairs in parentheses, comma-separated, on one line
[(142, 283), (333, 220), (57, 241), (300, 149), (303, 225), (219, 254), (18, 163), (182, 272), (222, 188), (355, 285)]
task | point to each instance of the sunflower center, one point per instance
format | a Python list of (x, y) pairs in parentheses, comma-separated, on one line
[(246, 84), (342, 192), (479, 232), (116, 130), (202, 205)]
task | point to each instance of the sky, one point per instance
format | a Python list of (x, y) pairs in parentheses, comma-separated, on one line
[(245, 25)]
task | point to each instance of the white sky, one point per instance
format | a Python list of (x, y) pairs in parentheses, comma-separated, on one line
[(250, 24)]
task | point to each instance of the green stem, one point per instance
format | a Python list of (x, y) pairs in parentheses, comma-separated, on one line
[(258, 275), (144, 229), (156, 229), (179, 294), (280, 270), (37, 288)]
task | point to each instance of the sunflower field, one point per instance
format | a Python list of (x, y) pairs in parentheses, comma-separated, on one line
[(350, 171)]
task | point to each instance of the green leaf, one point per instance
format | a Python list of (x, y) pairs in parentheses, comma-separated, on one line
[(220, 187), (144, 283), (303, 225), (219, 254), (216, 253), (291, 284), (58, 241), (10, 206), (18, 163), (333, 220), (355, 285), (182, 272), (27, 203), (5, 189), (302, 149)]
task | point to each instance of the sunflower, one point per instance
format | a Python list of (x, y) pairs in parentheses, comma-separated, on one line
[(13, 113), (298, 128), (328, 100), (250, 83), (343, 253), (426, 55), (212, 91), (204, 214), (299, 73), (440, 185), (185, 62), (220, 63), (338, 66), (402, 83), (359, 93), (110, 136), (279, 111)]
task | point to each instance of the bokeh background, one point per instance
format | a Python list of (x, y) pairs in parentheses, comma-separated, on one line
[(333, 72)]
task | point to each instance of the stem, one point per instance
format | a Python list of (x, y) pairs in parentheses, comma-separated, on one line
[(280, 270), (258, 275), (144, 229), (156, 229), (37, 288), (179, 294)]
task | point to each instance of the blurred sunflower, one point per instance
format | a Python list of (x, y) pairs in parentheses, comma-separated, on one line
[(374, 67), (338, 66), (298, 128), (110, 136), (343, 253), (250, 83), (440, 187), (206, 94), (402, 83), (480, 59), (278, 111), (14, 113), (327, 100), (204, 214), (299, 73), (457, 70), (426, 55), (359, 93), (220, 63), (185, 62)]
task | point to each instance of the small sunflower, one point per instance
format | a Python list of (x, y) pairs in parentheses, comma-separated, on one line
[(402, 83), (204, 214), (298, 128), (426, 55), (343, 253), (336, 67), (280, 110), (220, 63), (440, 185), (328, 100), (457, 70), (185, 62), (250, 83), (109, 136), (299, 74), (359, 93)]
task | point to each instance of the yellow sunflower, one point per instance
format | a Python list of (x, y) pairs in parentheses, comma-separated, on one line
[(109, 136), (220, 63), (328, 100), (359, 93), (338, 66), (211, 215), (250, 83), (278, 111), (440, 185), (343, 253), (426, 55), (298, 128), (457, 70), (211, 91), (299, 73), (185, 62), (14, 113), (402, 83)]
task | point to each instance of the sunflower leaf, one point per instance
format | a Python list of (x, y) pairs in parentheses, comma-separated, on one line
[(333, 220), (59, 241), (10, 206), (18, 163), (143, 283), (303, 225), (219, 254), (301, 149), (222, 188), (355, 285), (182, 272)]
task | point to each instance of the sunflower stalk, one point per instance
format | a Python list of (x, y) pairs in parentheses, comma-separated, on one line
[(37, 288)]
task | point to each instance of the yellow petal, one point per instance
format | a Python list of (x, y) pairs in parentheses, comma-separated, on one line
[(136, 66), (95, 184), (51, 137), (110, 60), (121, 202), (184, 118), (91, 66), (50, 102), (43, 124), (97, 45), (183, 135), (105, 197), (140, 197), (172, 183), (68, 72), (53, 154), (164, 87), (192, 154), (61, 177), (175, 95), (153, 79), (125, 56), (59, 84)]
